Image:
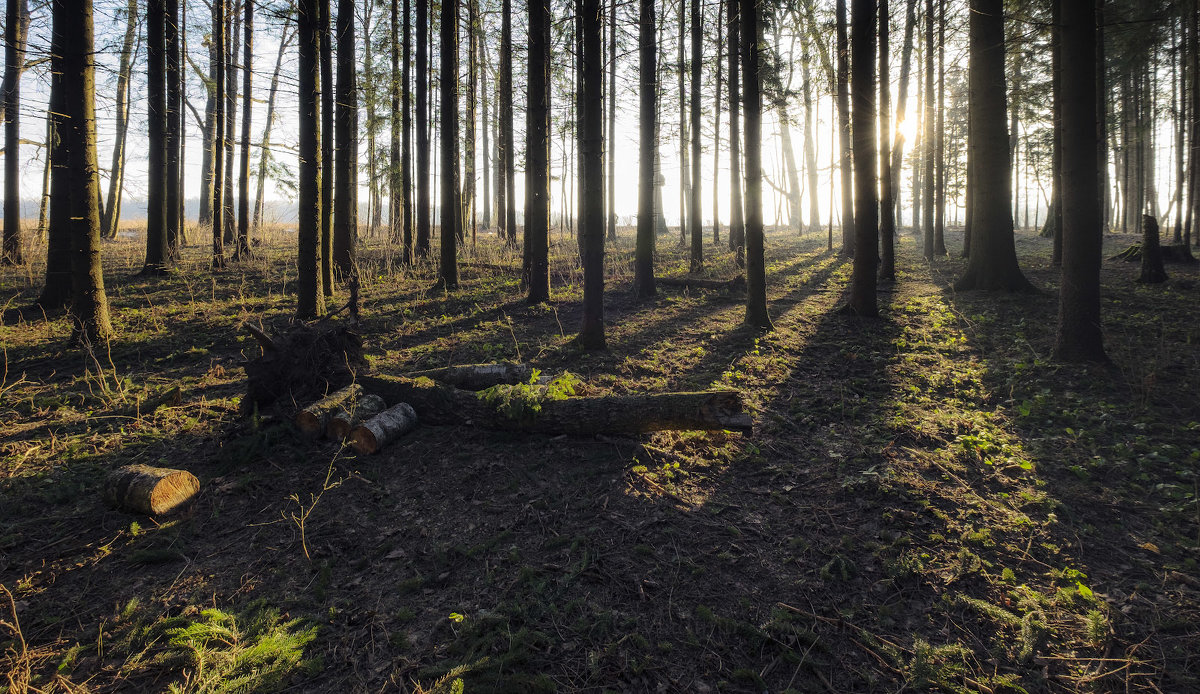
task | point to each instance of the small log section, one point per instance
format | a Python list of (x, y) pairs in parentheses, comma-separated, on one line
[(153, 491), (735, 284), (342, 423), (312, 420), (477, 376), (383, 428), (605, 414)]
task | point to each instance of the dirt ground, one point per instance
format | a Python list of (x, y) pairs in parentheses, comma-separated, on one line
[(927, 502)]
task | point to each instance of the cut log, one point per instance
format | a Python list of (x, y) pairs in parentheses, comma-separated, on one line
[(151, 490), (383, 428), (735, 284), (610, 414), (1152, 260), (312, 420), (477, 376), (343, 422)]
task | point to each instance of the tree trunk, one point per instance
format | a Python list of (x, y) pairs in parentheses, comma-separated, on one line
[(737, 222), (843, 107), (695, 214), (450, 212), (505, 201), (16, 28), (383, 428), (437, 404), (866, 211), (993, 262), (265, 153), (233, 30), (484, 126), (643, 263), (156, 106), (611, 210), (756, 276), (116, 177), (468, 187), (684, 170), (421, 78), (207, 160), (810, 147), (404, 91), (536, 260), (939, 221), (345, 211), (217, 148), (928, 195), (310, 298), (174, 197), (243, 223), (56, 292), (716, 179), (1080, 337), (327, 162), (591, 175), (887, 207), (90, 304)]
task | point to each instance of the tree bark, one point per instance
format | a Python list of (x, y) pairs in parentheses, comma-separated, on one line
[(450, 212), (173, 138), (737, 222), (73, 22), (1080, 336), (536, 250), (993, 261), (341, 424), (505, 199), (887, 207), (243, 223), (866, 210), (405, 92), (1152, 271), (591, 176), (843, 107), (643, 263), (327, 162), (610, 214), (468, 187), (16, 28), (437, 404), (910, 23), (684, 165), (695, 214), (156, 106), (928, 195), (56, 292), (310, 298), (421, 78), (116, 176), (312, 420), (939, 220), (383, 428), (484, 129), (149, 490), (217, 206), (345, 210), (756, 276)]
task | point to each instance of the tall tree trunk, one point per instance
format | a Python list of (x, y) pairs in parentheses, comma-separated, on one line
[(396, 85), (90, 303), (484, 126), (716, 179), (591, 173), (468, 188), (737, 222), (939, 222), (56, 292), (156, 106), (116, 177), (405, 92), (421, 78), (207, 160), (993, 261), (887, 207), (810, 147), (310, 300), (243, 224), (695, 214), (1080, 337), (16, 28), (174, 135), (866, 210), (217, 146), (327, 163), (643, 263), (504, 143), (611, 208), (536, 260), (684, 170), (265, 148), (233, 29), (345, 210), (929, 193), (450, 212), (182, 239), (910, 22), (843, 107), (756, 275)]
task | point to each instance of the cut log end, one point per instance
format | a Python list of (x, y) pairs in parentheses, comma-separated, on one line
[(383, 428), (342, 423), (150, 490), (311, 421)]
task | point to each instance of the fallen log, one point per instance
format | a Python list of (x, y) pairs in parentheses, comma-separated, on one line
[(150, 490), (383, 428), (477, 376), (737, 283), (343, 422), (312, 420), (1174, 253), (605, 414)]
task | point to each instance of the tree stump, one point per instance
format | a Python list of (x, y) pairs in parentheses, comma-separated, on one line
[(150, 490), (1152, 261), (343, 422), (383, 428), (312, 420)]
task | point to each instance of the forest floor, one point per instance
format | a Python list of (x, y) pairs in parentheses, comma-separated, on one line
[(927, 501)]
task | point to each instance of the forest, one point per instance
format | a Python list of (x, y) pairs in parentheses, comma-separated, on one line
[(438, 346)]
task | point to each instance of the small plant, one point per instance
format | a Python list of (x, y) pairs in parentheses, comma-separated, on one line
[(522, 402)]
